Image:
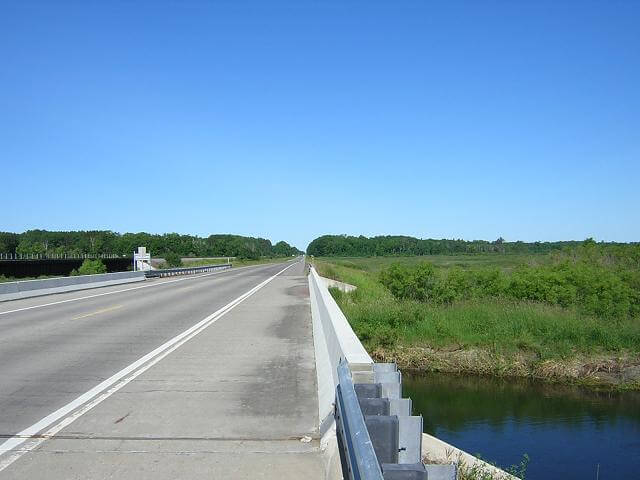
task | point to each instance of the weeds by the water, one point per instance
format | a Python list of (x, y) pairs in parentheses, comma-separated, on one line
[(479, 471)]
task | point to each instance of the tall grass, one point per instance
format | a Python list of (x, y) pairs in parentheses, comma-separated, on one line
[(497, 324)]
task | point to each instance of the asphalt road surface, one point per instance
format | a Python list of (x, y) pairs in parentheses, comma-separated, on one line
[(245, 385)]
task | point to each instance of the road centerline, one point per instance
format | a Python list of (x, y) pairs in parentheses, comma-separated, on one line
[(97, 312)]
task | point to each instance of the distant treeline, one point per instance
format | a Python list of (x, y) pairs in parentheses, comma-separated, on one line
[(348, 246), (104, 241)]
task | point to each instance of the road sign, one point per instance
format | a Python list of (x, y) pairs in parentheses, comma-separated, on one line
[(141, 259)]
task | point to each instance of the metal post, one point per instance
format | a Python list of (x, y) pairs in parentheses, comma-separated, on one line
[(360, 461)]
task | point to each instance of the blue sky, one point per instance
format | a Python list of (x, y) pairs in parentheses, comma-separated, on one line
[(289, 120)]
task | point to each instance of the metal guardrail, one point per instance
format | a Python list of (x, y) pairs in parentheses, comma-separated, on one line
[(170, 272), (57, 256), (359, 456), (378, 437)]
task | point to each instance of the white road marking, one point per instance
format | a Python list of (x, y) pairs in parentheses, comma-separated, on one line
[(66, 414), (132, 288)]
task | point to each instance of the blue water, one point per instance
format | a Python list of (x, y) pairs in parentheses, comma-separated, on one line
[(567, 432)]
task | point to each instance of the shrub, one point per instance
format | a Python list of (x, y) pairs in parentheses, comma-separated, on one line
[(173, 260), (593, 289), (90, 267), (416, 282), (588, 285)]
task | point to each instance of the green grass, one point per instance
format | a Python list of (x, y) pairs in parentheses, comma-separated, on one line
[(496, 325), (506, 262)]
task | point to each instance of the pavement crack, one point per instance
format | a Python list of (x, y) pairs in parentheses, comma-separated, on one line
[(122, 418)]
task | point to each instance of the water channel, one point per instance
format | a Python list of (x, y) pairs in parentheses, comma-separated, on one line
[(568, 432)]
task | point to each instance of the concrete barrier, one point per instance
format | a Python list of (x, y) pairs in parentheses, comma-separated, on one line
[(334, 340), (47, 286)]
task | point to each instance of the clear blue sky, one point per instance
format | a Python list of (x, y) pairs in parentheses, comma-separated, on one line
[(289, 120)]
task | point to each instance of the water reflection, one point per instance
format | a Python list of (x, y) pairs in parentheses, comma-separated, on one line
[(567, 431)]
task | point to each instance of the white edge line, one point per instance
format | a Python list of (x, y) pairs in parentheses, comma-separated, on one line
[(93, 397), (129, 289)]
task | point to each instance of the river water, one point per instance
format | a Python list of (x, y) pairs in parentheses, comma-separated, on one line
[(568, 432)]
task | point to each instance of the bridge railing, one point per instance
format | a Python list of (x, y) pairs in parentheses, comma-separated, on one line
[(170, 272), (359, 460), (376, 434), (378, 437)]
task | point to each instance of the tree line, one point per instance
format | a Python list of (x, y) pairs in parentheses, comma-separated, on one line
[(351, 246), (104, 241)]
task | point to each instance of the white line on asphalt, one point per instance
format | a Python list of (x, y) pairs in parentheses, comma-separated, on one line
[(66, 414), (132, 288)]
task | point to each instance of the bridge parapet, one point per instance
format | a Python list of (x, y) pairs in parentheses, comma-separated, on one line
[(46, 286), (334, 340), (364, 419), (369, 433)]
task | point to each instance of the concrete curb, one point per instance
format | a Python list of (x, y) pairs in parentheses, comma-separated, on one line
[(48, 286)]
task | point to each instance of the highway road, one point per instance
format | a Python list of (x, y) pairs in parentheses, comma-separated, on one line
[(55, 349)]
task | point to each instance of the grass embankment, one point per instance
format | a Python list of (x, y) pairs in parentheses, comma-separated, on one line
[(470, 331)]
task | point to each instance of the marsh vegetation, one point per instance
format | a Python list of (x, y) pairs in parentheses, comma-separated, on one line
[(572, 314)]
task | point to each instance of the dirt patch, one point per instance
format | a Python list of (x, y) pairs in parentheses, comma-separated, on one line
[(300, 290)]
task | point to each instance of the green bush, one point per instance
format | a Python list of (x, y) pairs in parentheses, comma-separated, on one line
[(591, 288), (587, 284), (90, 267), (173, 260), (416, 282)]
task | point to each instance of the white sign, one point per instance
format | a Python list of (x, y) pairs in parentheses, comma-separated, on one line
[(141, 259)]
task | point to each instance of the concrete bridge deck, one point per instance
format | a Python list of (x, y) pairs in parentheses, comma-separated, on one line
[(232, 402)]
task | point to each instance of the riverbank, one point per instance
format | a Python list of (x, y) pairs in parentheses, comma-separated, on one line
[(496, 337), (601, 371)]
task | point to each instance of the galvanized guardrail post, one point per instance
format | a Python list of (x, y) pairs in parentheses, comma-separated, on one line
[(359, 461), (375, 423)]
